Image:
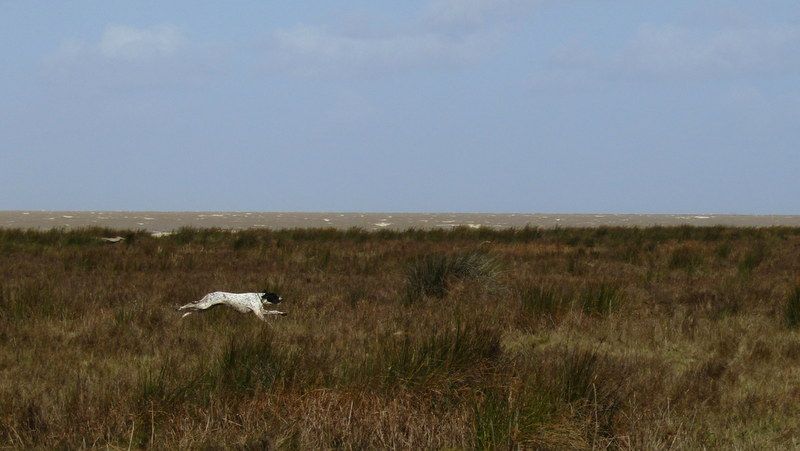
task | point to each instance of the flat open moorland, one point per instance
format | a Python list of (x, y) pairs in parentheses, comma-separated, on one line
[(662, 337)]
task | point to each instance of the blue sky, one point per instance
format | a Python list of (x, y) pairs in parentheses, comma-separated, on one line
[(425, 105)]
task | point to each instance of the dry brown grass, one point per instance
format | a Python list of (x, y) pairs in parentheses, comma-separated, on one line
[(566, 338)]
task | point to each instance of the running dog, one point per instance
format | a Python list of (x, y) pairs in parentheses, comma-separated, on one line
[(242, 302)]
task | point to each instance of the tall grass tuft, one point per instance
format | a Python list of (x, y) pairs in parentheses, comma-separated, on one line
[(544, 300), (253, 362), (408, 362), (594, 385), (33, 298), (753, 258), (686, 258), (493, 420), (792, 312), (503, 418), (583, 387), (433, 274), (600, 299), (245, 239), (577, 373)]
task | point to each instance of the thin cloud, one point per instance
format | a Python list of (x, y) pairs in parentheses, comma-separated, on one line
[(124, 42), (678, 51), (317, 50), (470, 13), (443, 33), (126, 56)]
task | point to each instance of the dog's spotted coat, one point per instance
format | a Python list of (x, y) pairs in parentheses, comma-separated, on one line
[(242, 302)]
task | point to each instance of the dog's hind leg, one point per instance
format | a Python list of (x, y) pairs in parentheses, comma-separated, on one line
[(202, 304), (193, 307)]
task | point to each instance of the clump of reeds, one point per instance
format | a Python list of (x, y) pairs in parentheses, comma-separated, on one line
[(544, 300), (583, 388), (411, 361), (433, 274), (600, 298), (687, 258), (753, 257), (592, 383), (792, 312)]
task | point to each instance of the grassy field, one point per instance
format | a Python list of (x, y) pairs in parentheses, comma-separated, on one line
[(579, 338)]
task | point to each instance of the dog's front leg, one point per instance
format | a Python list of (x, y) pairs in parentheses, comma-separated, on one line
[(260, 315)]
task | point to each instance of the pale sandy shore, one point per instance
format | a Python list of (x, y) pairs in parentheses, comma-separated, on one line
[(169, 221)]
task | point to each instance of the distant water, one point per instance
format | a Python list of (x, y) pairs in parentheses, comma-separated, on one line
[(168, 221)]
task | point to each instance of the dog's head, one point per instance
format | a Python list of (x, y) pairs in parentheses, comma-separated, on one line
[(268, 297)]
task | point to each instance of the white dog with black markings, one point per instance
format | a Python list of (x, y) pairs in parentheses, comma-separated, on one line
[(242, 302)]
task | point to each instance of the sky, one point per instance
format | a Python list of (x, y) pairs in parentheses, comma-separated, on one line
[(568, 106)]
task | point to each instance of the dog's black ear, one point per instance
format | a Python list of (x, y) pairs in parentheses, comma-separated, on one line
[(264, 294), (272, 298)]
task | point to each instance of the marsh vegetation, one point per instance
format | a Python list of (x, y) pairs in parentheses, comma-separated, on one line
[(576, 338)]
